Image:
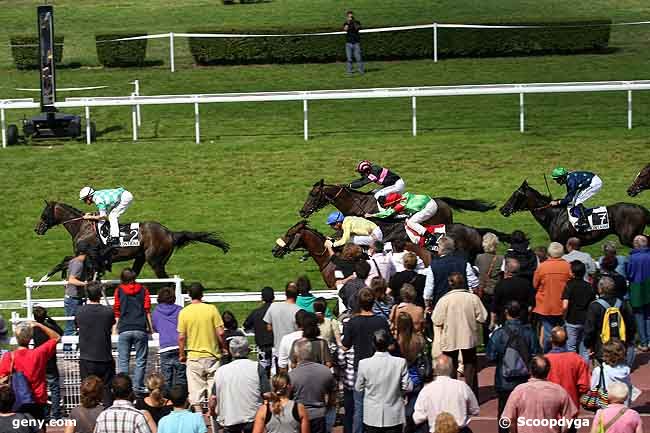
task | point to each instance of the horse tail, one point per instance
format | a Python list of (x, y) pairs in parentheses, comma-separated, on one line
[(182, 239), (503, 237), (471, 205)]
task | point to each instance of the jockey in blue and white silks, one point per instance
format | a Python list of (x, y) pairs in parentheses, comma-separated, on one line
[(388, 180), (111, 204), (580, 186)]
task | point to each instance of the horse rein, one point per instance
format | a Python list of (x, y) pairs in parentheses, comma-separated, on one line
[(340, 191)]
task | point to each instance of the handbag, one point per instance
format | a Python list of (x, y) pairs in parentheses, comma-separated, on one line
[(20, 386), (596, 398)]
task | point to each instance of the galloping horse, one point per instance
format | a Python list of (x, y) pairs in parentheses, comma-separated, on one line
[(356, 203), (625, 220), (302, 237), (157, 243), (641, 182)]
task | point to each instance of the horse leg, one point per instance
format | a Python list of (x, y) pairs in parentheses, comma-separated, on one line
[(138, 264)]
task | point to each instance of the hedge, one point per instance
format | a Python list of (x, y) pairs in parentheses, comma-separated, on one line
[(121, 53), (566, 38), (24, 50)]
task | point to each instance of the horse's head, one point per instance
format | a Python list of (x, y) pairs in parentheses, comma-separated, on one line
[(48, 218), (291, 240), (518, 201), (641, 182), (316, 200)]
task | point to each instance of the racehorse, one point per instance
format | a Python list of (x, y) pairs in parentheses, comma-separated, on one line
[(357, 203), (641, 182), (302, 237), (157, 243), (626, 220)]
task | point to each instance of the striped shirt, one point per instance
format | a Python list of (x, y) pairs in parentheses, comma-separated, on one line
[(122, 417), (107, 199)]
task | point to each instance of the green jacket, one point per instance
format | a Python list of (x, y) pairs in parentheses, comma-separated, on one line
[(410, 204)]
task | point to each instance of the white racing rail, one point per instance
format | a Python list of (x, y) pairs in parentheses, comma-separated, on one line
[(135, 102)]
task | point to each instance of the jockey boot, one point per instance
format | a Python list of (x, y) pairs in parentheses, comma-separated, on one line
[(430, 241), (582, 225)]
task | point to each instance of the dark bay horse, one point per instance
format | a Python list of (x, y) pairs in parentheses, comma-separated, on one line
[(626, 220), (641, 182), (356, 203), (157, 243), (302, 237)]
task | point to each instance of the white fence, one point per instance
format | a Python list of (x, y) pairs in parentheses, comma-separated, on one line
[(135, 102)]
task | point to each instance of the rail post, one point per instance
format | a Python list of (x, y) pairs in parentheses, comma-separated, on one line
[(414, 119), (172, 66), (28, 297), (4, 127), (629, 109), (197, 124), (305, 119), (136, 91), (178, 291), (522, 112), (435, 42), (134, 121), (87, 108)]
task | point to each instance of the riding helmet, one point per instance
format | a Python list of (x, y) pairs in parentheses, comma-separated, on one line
[(86, 191), (335, 217), (559, 172), (364, 166)]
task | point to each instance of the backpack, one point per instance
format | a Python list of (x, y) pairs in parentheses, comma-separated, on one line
[(516, 356), (613, 323)]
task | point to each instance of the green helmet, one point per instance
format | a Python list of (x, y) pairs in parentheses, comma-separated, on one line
[(559, 172)]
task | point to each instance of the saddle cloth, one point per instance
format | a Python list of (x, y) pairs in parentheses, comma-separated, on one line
[(598, 218), (129, 233)]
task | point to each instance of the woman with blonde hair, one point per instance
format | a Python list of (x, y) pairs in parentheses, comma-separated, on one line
[(490, 266), (613, 367), (617, 417), (280, 414), (446, 423), (84, 416), (155, 404)]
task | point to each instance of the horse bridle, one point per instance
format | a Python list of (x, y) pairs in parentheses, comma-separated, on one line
[(338, 193), (294, 243)]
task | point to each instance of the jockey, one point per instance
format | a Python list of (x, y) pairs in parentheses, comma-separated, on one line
[(580, 186), (111, 204), (389, 181), (418, 208), (360, 230)]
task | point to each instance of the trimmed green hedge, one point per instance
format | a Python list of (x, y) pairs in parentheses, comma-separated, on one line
[(568, 38), (121, 53), (24, 50)]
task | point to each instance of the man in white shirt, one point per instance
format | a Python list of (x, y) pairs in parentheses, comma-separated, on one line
[(381, 264), (459, 400), (284, 350)]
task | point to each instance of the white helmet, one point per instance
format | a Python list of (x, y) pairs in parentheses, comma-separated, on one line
[(85, 192)]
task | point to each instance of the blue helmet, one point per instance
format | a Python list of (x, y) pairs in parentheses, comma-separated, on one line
[(335, 217)]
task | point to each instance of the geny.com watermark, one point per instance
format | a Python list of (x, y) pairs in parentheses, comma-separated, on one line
[(40, 423), (521, 421)]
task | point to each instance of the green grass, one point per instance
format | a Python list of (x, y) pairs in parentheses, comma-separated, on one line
[(251, 174)]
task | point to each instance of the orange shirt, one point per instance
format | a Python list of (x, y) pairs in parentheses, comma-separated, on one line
[(549, 280)]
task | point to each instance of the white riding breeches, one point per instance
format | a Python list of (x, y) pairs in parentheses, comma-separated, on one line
[(415, 222), (376, 235), (113, 216), (590, 191), (398, 186)]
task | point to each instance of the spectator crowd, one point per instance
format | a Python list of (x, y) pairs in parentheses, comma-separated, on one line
[(398, 353)]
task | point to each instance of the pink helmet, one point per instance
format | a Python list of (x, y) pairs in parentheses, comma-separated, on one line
[(364, 166)]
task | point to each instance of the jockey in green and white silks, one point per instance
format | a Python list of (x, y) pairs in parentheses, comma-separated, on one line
[(580, 186), (111, 204)]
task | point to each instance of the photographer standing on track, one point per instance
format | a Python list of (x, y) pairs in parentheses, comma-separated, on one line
[(352, 43)]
